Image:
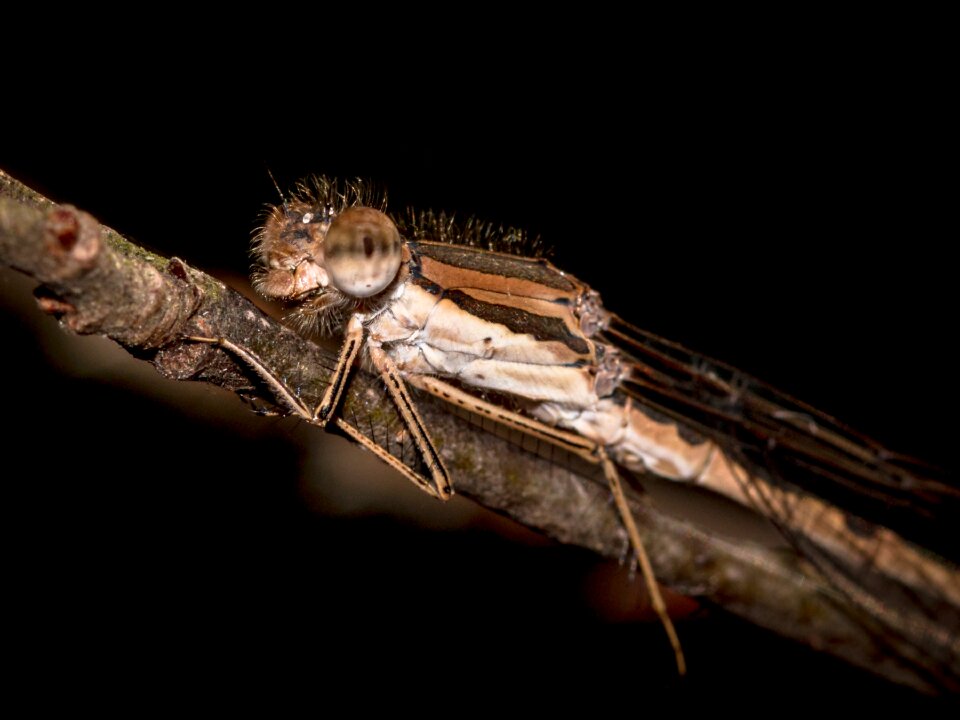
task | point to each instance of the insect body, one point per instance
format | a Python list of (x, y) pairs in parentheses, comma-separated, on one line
[(517, 340), (484, 320)]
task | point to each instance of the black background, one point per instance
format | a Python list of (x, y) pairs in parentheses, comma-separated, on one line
[(789, 220)]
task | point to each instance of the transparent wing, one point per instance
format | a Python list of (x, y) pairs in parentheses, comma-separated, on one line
[(786, 440)]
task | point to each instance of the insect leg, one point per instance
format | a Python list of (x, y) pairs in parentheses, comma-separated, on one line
[(584, 448), (571, 442), (280, 390), (656, 599), (411, 418), (298, 408), (417, 479), (352, 342)]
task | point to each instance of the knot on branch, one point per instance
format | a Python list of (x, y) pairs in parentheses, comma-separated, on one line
[(94, 280)]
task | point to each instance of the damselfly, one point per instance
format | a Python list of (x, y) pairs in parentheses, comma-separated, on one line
[(445, 309)]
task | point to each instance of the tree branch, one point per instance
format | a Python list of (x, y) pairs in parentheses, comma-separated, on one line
[(97, 282)]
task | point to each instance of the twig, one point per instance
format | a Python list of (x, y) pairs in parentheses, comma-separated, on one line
[(99, 283)]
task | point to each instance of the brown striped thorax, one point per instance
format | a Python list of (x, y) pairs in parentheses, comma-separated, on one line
[(488, 319)]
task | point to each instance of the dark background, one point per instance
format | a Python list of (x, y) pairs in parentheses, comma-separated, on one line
[(788, 222)]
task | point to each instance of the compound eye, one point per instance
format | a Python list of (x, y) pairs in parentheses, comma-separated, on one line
[(362, 251)]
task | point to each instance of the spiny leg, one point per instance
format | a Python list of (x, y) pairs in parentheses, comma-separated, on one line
[(419, 480), (282, 392), (408, 411), (571, 442), (298, 408), (583, 447), (656, 599), (352, 342)]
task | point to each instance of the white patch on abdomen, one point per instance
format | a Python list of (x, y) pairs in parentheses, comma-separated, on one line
[(432, 336), (635, 440)]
